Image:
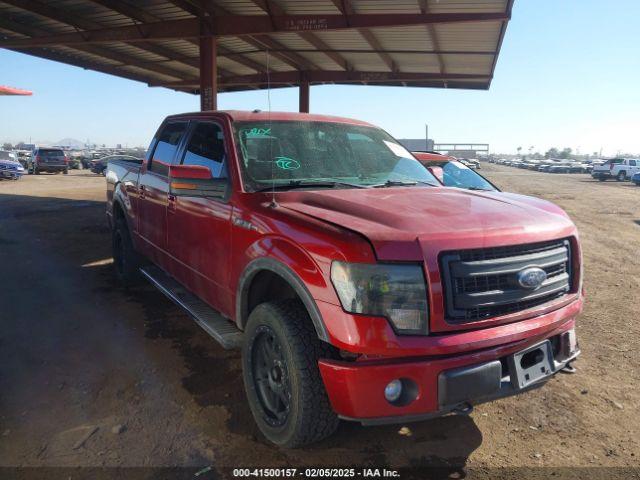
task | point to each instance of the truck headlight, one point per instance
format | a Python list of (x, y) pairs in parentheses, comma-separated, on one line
[(397, 292)]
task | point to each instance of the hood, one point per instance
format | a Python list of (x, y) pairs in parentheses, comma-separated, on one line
[(397, 220)]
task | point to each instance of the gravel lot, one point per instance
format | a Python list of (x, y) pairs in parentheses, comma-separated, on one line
[(93, 376)]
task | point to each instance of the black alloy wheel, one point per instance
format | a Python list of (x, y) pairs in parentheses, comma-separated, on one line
[(271, 377), (281, 375)]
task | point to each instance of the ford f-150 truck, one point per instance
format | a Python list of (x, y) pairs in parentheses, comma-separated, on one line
[(356, 285)]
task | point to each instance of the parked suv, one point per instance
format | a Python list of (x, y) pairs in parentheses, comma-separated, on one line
[(356, 285), (51, 160), (619, 168)]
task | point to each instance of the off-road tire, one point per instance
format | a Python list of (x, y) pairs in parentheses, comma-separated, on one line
[(622, 176), (126, 261), (601, 179), (66, 171), (310, 417)]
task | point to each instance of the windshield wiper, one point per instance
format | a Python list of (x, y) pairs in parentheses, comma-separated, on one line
[(293, 184), (400, 183)]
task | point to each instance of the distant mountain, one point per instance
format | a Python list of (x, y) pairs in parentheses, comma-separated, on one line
[(70, 142)]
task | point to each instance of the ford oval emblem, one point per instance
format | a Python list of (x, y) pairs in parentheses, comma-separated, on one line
[(531, 278)]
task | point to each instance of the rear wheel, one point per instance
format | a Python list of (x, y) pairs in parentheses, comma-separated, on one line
[(622, 176), (66, 171), (601, 179), (126, 260), (281, 376)]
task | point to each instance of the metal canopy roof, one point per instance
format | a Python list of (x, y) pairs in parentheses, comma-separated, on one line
[(426, 43)]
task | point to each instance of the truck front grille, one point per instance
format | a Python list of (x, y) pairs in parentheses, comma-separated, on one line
[(483, 283)]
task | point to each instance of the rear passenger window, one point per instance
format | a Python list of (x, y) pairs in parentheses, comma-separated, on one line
[(165, 150), (206, 148)]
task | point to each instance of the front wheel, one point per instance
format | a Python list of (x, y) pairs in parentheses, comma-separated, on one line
[(622, 176), (281, 376)]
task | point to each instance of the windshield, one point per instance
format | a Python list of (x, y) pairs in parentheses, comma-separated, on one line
[(291, 153), (455, 174), (49, 152)]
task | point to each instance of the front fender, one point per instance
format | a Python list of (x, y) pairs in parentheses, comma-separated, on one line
[(295, 266)]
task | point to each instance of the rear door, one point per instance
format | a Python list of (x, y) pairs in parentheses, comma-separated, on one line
[(51, 156), (200, 227), (153, 191)]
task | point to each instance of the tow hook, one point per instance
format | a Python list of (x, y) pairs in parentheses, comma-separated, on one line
[(463, 409), (569, 369)]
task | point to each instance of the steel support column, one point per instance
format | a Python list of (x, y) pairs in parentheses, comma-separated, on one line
[(208, 73), (304, 97)]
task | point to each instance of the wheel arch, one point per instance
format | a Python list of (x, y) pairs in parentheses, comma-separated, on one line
[(270, 267)]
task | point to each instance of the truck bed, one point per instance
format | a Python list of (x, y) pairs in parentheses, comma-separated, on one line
[(118, 173)]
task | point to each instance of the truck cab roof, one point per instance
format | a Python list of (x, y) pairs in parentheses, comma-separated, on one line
[(261, 116)]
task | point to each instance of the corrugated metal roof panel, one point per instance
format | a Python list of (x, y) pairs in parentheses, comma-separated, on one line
[(181, 47), (275, 63), (292, 41), (404, 38), (241, 7), (413, 62), (481, 36), (480, 64), (385, 6), (367, 62), (232, 66), (146, 73), (309, 7), (181, 56), (467, 6), (343, 40), (72, 52)]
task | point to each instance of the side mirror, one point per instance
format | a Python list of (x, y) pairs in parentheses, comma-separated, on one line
[(195, 181)]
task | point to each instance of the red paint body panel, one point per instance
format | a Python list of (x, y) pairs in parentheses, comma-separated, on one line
[(208, 243), (427, 158), (373, 336), (356, 389)]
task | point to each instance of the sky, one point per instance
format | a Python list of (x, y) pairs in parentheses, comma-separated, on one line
[(567, 76)]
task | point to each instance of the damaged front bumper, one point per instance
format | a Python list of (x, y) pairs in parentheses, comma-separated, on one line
[(438, 386)]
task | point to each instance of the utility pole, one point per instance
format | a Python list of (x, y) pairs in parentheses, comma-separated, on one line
[(426, 136)]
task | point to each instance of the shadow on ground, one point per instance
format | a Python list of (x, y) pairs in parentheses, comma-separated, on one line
[(66, 243)]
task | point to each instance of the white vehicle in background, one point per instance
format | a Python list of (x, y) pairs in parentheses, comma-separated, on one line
[(470, 162), (619, 168)]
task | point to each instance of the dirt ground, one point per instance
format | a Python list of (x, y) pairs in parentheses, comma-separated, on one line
[(93, 376)]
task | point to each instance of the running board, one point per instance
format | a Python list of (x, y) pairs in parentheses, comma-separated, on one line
[(225, 332)]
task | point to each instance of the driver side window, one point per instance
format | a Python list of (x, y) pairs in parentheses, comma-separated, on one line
[(206, 148)]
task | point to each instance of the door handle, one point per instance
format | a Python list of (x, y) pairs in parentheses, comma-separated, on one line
[(171, 203)]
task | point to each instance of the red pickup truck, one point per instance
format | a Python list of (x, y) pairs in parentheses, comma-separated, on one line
[(357, 286)]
